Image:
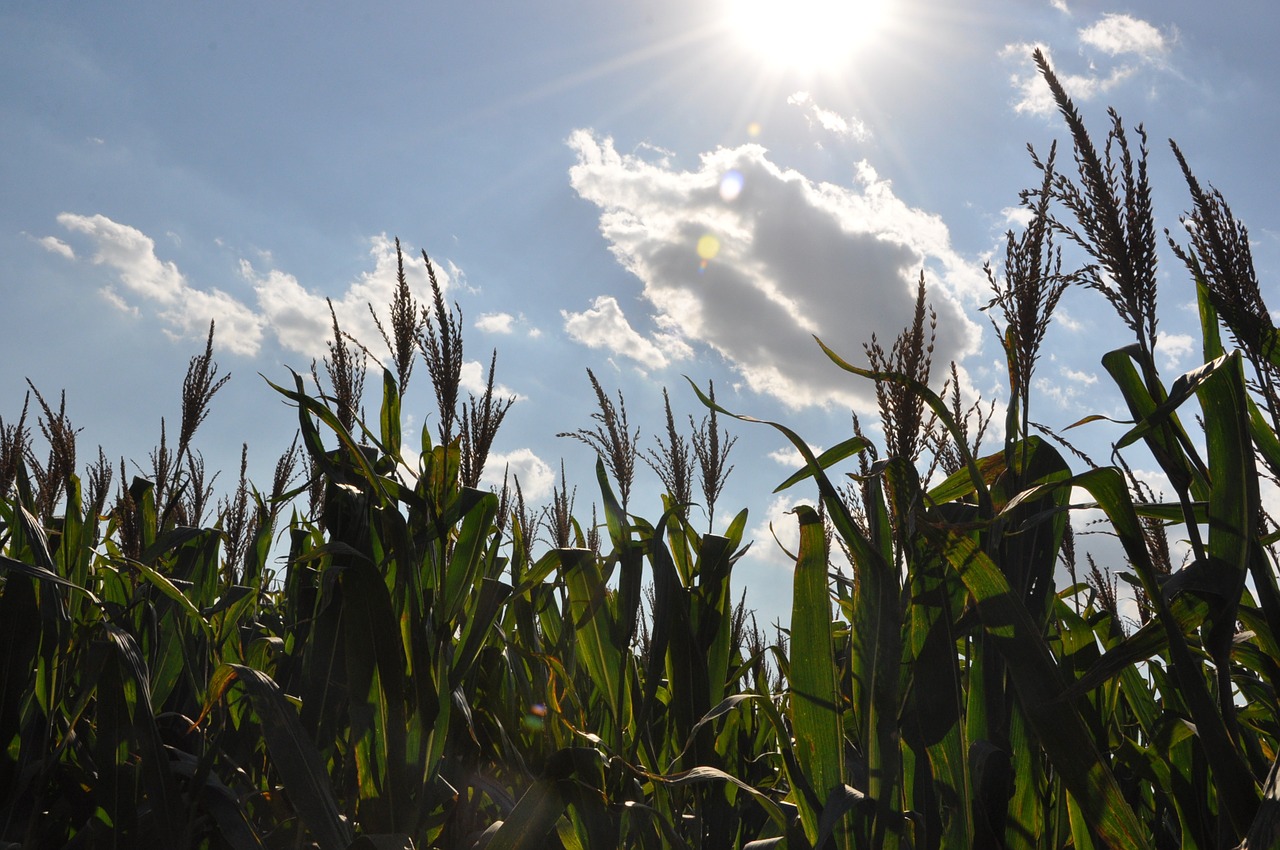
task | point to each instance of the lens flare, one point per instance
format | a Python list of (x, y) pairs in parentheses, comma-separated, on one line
[(535, 719), (731, 185), (708, 247)]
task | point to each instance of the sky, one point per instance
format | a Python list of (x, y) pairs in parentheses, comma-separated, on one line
[(652, 190)]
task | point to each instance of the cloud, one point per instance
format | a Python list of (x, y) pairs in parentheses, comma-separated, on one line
[(186, 310), (54, 245), (505, 323), (1065, 320), (1032, 92), (778, 532), (495, 323), (298, 317), (1173, 348), (755, 277), (1017, 216), (1132, 44), (605, 326), (1079, 377), (790, 457), (833, 122), (474, 377), (113, 298), (536, 476), (1117, 35)]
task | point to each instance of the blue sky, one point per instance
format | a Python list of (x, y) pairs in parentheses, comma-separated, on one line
[(562, 162)]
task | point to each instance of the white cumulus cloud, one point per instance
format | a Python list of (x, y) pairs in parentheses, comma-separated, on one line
[(300, 318), (755, 277), (1173, 348), (1116, 35), (536, 476), (1032, 92), (1126, 46), (495, 323), (185, 310), (605, 326), (297, 316)]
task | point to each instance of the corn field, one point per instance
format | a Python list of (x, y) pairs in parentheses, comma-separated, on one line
[(433, 665)]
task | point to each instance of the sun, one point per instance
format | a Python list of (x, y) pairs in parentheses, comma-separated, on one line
[(806, 35)]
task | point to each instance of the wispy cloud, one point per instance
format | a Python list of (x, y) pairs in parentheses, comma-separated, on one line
[(54, 245), (755, 272), (790, 457), (1079, 377), (851, 127)]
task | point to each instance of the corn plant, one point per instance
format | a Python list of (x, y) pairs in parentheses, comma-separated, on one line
[(432, 665)]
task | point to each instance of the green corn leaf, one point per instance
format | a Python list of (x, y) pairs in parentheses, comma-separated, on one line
[(1234, 505), (826, 460), (171, 591), (153, 761), (615, 519), (375, 661), (1058, 727), (1231, 774), (735, 531), (959, 484), (293, 754), (1168, 442), (45, 575), (469, 551), (815, 700), (310, 410), (1186, 386), (673, 647), (389, 416), (482, 618), (703, 774), (538, 809), (592, 623), (713, 610)]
